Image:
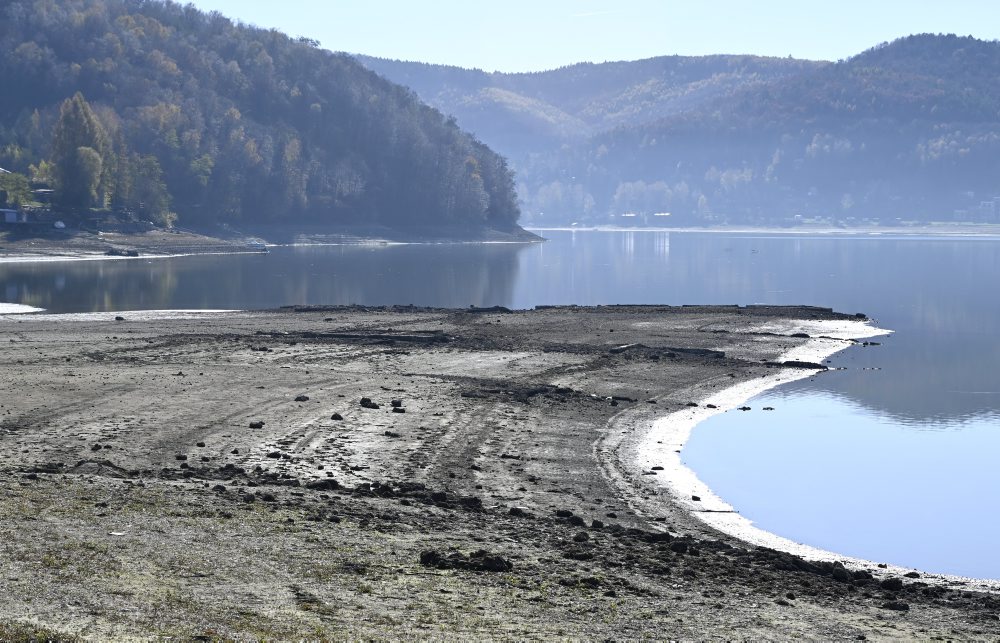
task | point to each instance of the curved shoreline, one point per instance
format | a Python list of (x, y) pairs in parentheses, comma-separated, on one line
[(662, 442)]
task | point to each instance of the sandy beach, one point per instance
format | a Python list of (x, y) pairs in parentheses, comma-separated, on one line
[(402, 472)]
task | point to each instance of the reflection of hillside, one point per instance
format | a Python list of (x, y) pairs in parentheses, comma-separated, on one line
[(926, 380), (429, 275), (938, 368)]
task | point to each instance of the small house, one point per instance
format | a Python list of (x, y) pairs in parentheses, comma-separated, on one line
[(13, 216)]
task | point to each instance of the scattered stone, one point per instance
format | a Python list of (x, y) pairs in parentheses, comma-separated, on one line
[(564, 513), (892, 584), (392, 434), (337, 416), (96, 447), (581, 537), (327, 484), (597, 524), (692, 404), (897, 606), (119, 318), (398, 409), (912, 575), (366, 403), (711, 406), (301, 398), (518, 512), (744, 408), (396, 404), (768, 408), (274, 454), (219, 488), (478, 561), (696, 498), (657, 468), (257, 425), (200, 444), (180, 456)]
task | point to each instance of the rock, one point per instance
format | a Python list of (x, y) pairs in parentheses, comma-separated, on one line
[(711, 406), (912, 575), (801, 335), (577, 521), (679, 546), (180, 456), (337, 416), (692, 404), (396, 404), (519, 512), (274, 454), (200, 444), (898, 606), (783, 602), (656, 468), (398, 409), (119, 318), (480, 561), (581, 537), (259, 424), (696, 498), (392, 434), (219, 488), (768, 408), (327, 484), (597, 524), (96, 447), (892, 584), (301, 398), (841, 574), (235, 451), (744, 408)]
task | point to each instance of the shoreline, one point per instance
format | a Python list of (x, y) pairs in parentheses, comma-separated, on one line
[(664, 440), (970, 232)]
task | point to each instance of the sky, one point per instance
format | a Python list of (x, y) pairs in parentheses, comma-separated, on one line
[(532, 35)]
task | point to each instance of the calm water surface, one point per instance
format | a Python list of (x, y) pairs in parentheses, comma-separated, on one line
[(892, 459)]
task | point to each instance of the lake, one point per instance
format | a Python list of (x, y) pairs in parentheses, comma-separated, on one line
[(890, 459)]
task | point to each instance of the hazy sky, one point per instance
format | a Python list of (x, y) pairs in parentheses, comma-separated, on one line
[(525, 35)]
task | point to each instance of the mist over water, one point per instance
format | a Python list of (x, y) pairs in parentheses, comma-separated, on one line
[(890, 459)]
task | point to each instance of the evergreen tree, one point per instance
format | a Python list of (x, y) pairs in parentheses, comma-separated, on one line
[(79, 145)]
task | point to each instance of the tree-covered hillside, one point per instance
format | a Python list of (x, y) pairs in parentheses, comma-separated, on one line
[(525, 114), (907, 130), (157, 107)]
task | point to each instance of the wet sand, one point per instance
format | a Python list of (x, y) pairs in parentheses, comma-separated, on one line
[(215, 474)]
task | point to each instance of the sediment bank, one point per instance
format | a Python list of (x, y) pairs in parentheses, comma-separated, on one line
[(216, 474)]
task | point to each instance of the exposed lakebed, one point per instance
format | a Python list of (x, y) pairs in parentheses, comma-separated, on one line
[(888, 459)]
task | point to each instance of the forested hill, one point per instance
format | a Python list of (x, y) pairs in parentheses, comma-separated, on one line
[(908, 130), (161, 109), (523, 114)]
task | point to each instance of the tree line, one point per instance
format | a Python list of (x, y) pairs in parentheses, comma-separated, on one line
[(163, 109)]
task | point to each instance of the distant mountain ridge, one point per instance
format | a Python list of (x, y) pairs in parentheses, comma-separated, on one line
[(907, 130)]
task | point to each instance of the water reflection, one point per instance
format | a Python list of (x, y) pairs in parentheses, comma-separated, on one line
[(446, 275), (936, 293)]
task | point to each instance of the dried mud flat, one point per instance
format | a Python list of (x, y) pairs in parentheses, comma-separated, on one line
[(196, 475)]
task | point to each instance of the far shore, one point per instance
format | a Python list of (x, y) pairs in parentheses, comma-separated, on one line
[(957, 230), (406, 472)]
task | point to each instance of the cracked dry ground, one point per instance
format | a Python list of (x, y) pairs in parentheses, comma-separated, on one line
[(183, 475)]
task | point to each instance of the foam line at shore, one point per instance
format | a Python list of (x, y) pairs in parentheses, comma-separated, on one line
[(663, 442)]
